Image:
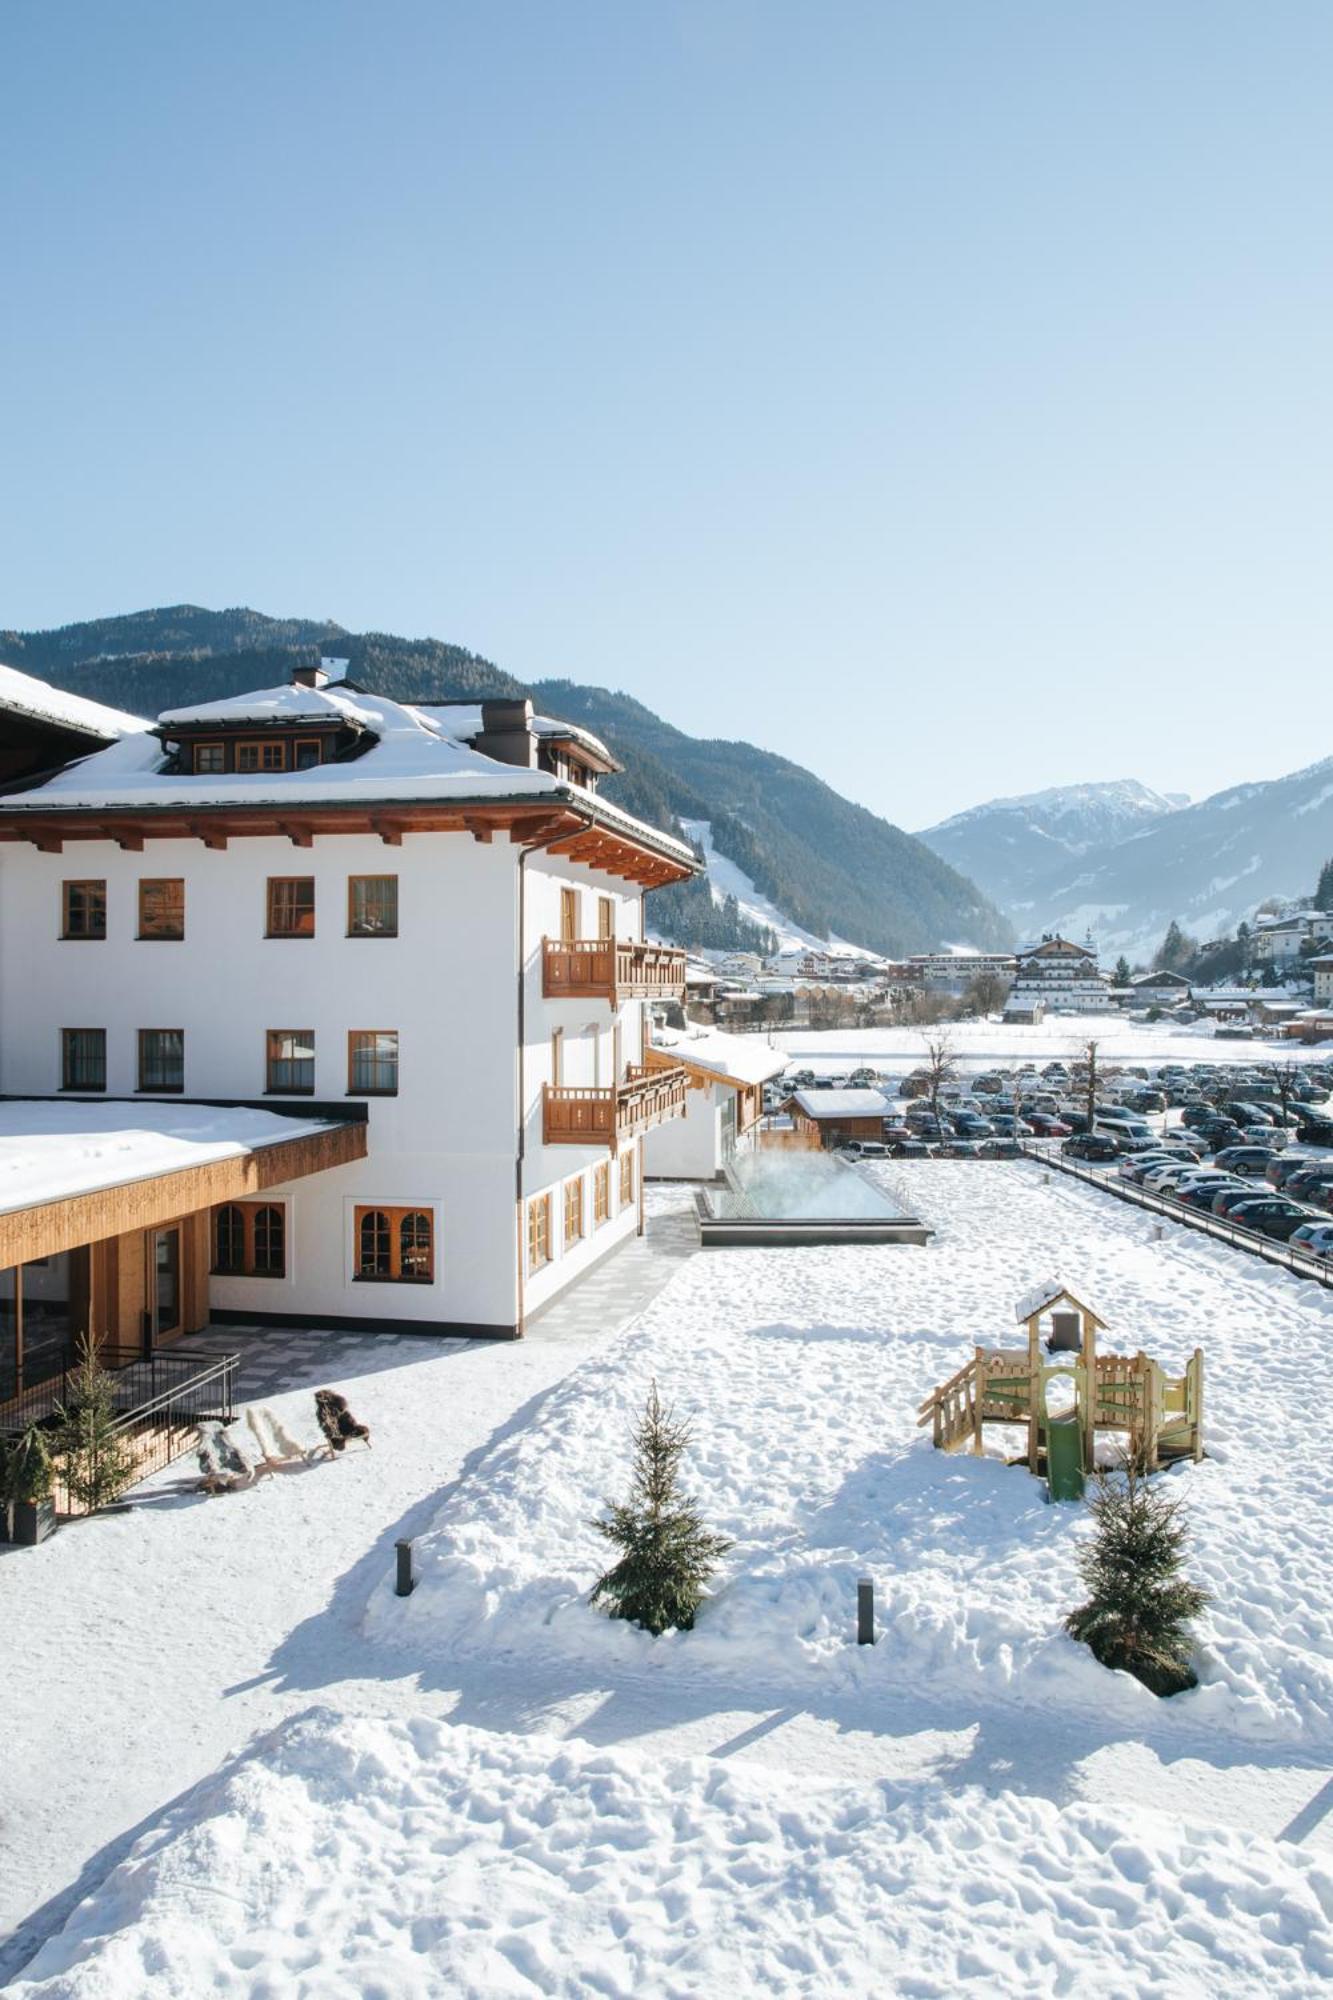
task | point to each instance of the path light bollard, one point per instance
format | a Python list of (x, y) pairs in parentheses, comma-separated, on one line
[(865, 1612), (406, 1583)]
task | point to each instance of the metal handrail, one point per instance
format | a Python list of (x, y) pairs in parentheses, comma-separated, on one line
[(1299, 1262)]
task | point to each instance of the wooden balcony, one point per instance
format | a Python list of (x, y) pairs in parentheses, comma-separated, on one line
[(582, 1115), (611, 969)]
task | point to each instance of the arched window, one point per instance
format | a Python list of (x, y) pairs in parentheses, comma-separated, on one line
[(395, 1245), (270, 1242), (414, 1246), (229, 1239)]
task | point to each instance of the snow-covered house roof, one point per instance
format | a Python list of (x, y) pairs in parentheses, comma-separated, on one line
[(1050, 1292), (38, 701), (842, 1103), (413, 757), (738, 1059), (464, 720)]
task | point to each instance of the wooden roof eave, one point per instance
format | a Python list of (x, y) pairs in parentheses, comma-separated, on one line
[(46, 1228)]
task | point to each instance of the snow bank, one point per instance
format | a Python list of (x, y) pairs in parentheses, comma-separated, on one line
[(803, 1372), (349, 1856)]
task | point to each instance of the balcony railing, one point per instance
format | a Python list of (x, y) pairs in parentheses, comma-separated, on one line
[(584, 1115), (612, 969)]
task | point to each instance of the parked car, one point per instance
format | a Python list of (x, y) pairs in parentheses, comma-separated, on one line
[(968, 1125), (1133, 1166), (1270, 1215), (1248, 1160), (1089, 1146), (1001, 1149), (865, 1149), (1284, 1166), (1046, 1125), (912, 1149), (1316, 1237), (1203, 1193)]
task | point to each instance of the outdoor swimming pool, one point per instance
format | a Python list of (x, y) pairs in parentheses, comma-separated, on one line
[(779, 1197)]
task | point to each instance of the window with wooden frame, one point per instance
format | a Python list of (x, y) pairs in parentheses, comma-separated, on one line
[(372, 906), (83, 1058), (291, 906), (307, 751), (606, 919), (210, 757), (601, 1194), (161, 906), (250, 1240), (626, 1179), (539, 1231), (83, 909), (394, 1246), (372, 1062), (289, 1061), (161, 1059), (573, 1210), (261, 756), (569, 916)]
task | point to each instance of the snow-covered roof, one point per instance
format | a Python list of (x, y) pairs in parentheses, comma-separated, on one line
[(463, 719), (23, 694), (842, 1103), (289, 703), (54, 1151), (413, 757), (1050, 1292), (738, 1058)]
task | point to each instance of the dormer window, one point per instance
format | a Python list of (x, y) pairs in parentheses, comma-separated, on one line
[(210, 756), (261, 756)]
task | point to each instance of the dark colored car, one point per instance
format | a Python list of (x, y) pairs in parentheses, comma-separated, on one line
[(1315, 1131), (912, 1149), (1248, 1160), (1001, 1149), (1203, 1194), (1047, 1126), (1089, 1146), (1274, 1217)]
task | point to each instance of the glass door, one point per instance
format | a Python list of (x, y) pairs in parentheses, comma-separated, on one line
[(166, 1279)]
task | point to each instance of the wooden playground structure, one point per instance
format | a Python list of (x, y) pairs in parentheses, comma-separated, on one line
[(1161, 1414)]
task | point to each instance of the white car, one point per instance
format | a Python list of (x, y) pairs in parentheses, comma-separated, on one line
[(1314, 1237)]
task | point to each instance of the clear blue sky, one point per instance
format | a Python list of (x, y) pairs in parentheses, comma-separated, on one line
[(938, 393)]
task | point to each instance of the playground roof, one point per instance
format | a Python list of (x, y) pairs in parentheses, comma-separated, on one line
[(1050, 1293)]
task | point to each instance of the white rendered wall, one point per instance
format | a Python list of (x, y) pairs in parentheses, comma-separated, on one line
[(689, 1148), (588, 1056)]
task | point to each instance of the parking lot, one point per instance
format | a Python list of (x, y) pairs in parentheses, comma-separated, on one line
[(1245, 1149)]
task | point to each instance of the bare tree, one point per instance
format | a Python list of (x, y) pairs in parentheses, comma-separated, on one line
[(987, 993), (1283, 1077), (1094, 1076), (940, 1067)]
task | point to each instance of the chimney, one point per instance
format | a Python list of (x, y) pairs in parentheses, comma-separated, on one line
[(310, 677), (507, 734)]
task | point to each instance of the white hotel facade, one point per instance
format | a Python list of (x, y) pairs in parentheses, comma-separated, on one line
[(415, 930)]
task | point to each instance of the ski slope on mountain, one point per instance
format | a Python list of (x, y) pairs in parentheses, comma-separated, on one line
[(725, 879)]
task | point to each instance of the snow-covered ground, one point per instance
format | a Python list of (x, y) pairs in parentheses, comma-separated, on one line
[(543, 1801), (1059, 1037)]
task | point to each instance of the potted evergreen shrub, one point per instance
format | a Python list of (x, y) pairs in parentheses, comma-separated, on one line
[(29, 1505)]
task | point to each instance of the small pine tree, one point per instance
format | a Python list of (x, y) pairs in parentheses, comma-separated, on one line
[(1140, 1604), (97, 1461), (1122, 974), (668, 1554)]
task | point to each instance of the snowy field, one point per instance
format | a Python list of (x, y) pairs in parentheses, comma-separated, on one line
[(569, 1807), (1059, 1038)]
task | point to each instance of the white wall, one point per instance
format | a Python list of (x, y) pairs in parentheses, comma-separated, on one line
[(689, 1148)]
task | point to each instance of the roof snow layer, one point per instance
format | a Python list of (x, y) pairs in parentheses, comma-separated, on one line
[(24, 695)]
